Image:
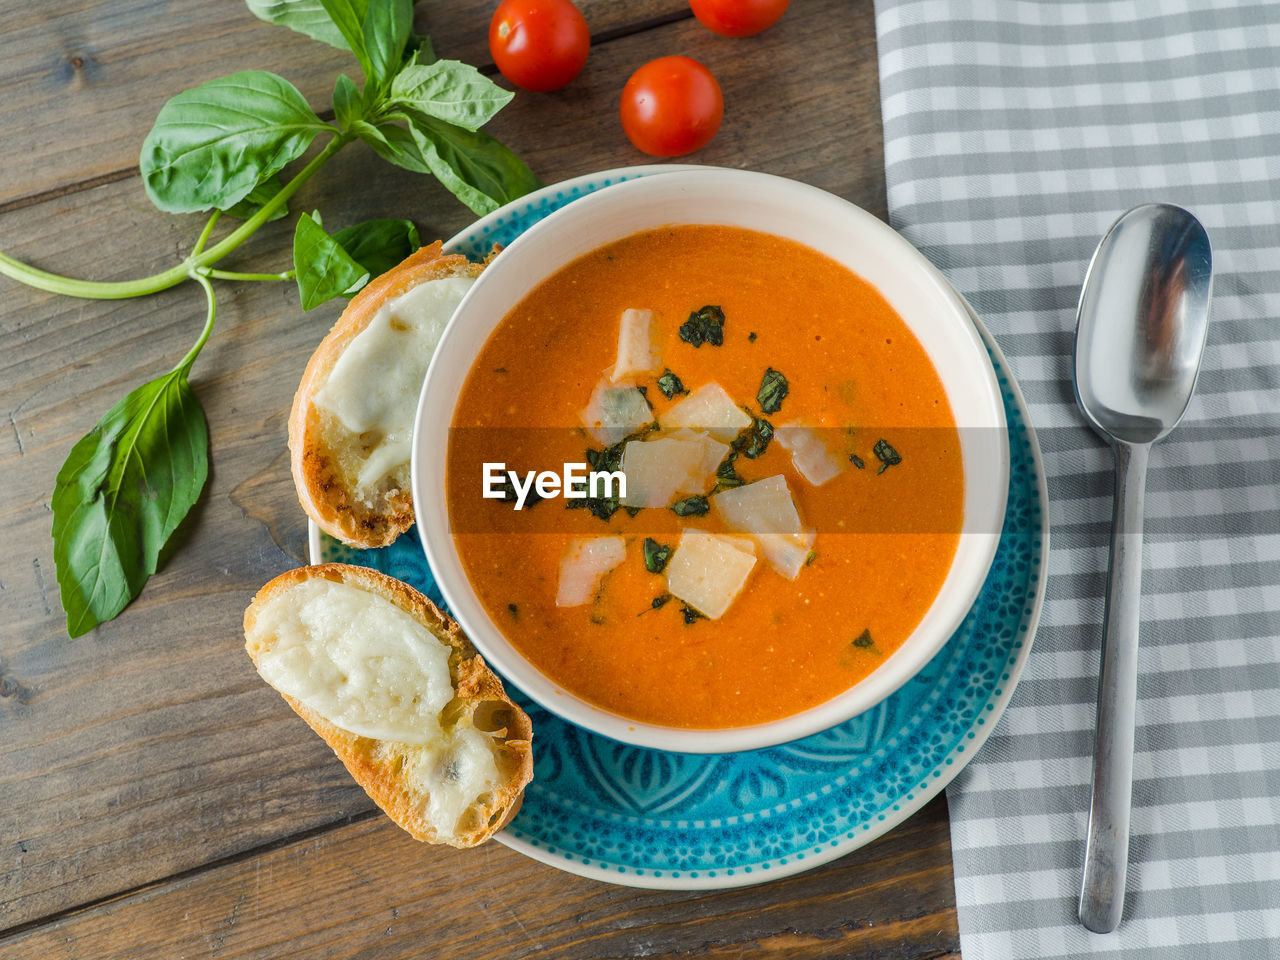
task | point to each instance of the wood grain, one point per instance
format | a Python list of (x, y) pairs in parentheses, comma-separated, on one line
[(81, 81), (368, 890), (135, 757)]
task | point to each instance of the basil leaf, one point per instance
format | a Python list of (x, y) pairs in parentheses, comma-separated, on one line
[(347, 106), (385, 27), (322, 268), (656, 555), (420, 48), (123, 490), (259, 195), (212, 144), (378, 245), (670, 384), (476, 168), (753, 441), (306, 16), (887, 456), (773, 390), (691, 507), (450, 91), (394, 144), (704, 326), (348, 16)]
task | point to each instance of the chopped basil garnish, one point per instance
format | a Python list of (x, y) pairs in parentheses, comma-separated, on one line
[(660, 601), (607, 461), (864, 640), (509, 495), (691, 507), (691, 615), (813, 555), (857, 461), (751, 337), (888, 456), (773, 389), (656, 555), (670, 384), (754, 440), (514, 611), (726, 476), (704, 326)]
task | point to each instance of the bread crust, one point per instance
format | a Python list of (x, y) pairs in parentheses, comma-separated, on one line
[(379, 766), (322, 490)]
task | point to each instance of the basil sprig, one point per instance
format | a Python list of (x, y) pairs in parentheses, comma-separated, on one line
[(224, 147)]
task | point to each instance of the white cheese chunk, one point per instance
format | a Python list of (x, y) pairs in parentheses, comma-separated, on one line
[(453, 775), (708, 408), (809, 455), (659, 468), (584, 565), (765, 506), (614, 413), (639, 349), (708, 570), (786, 552), (373, 388), (765, 509), (356, 659)]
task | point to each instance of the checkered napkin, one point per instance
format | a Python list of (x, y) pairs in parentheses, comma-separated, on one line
[(1016, 131)]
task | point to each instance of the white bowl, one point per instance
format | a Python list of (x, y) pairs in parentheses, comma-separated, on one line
[(917, 291)]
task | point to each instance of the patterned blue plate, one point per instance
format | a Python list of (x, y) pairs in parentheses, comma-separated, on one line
[(646, 818)]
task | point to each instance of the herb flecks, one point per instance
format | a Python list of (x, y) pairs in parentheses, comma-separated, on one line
[(508, 494), (656, 555), (773, 390), (514, 610), (660, 601), (704, 326), (857, 461), (864, 640), (887, 456), (751, 337), (670, 384), (691, 616), (753, 441), (727, 475), (691, 507)]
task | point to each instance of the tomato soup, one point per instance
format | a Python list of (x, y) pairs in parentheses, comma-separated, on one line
[(820, 407)]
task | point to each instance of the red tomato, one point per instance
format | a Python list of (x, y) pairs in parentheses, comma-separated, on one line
[(738, 18), (671, 106), (539, 44)]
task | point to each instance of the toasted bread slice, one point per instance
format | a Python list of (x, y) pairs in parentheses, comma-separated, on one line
[(322, 632), (332, 462)]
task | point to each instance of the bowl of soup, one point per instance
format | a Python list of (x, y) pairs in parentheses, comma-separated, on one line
[(710, 461)]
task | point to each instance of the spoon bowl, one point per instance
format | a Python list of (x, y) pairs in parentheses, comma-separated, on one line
[(1140, 333), (1143, 318)]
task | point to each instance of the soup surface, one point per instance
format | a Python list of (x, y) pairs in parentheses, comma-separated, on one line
[(879, 536)]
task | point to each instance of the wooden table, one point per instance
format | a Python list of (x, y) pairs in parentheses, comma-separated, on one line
[(156, 798)]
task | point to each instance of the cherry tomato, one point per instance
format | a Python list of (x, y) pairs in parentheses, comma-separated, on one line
[(738, 18), (539, 44), (671, 106)]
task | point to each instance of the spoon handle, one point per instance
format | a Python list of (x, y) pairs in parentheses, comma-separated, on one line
[(1107, 852)]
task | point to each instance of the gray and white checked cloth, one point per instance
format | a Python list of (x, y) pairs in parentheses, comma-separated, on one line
[(1016, 131)]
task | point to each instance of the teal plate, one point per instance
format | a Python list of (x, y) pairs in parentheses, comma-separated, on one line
[(647, 818)]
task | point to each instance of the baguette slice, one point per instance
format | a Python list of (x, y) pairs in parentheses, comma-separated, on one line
[(326, 457), (400, 777)]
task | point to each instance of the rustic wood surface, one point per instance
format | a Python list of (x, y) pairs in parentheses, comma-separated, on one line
[(156, 798)]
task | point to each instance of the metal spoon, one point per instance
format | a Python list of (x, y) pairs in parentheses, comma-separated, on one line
[(1144, 313)]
